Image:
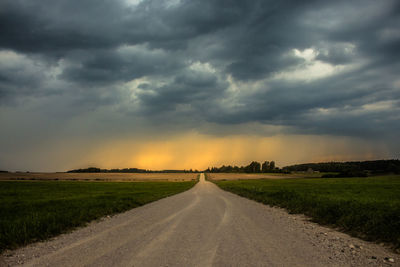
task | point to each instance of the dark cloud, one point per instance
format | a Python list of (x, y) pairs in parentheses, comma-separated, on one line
[(322, 67), (19, 75), (332, 105), (122, 65), (187, 93), (55, 27)]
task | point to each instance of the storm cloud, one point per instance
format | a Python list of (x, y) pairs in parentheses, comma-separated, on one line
[(141, 67)]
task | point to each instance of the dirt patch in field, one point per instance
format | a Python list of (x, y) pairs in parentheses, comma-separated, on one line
[(243, 176), (111, 177)]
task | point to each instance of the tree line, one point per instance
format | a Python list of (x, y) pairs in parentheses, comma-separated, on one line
[(253, 167), (334, 169), (128, 170), (350, 168)]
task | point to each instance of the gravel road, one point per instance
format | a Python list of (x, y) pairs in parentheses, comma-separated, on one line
[(204, 226)]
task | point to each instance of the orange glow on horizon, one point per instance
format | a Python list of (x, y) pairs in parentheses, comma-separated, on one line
[(197, 151)]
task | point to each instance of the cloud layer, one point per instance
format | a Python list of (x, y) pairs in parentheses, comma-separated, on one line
[(152, 68)]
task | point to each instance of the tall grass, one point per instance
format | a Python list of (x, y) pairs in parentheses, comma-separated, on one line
[(37, 210), (365, 207)]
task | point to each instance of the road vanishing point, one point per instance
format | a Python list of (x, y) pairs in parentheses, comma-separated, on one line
[(204, 226)]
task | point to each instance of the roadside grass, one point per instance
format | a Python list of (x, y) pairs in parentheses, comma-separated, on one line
[(368, 208), (36, 210)]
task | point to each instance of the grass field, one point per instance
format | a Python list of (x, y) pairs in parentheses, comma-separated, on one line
[(365, 207), (111, 177), (36, 210)]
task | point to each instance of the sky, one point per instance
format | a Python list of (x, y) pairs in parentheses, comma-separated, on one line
[(174, 84)]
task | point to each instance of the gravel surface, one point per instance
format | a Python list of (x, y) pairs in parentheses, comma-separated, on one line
[(204, 226)]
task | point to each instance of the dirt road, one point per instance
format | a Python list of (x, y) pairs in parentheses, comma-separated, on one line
[(204, 226)]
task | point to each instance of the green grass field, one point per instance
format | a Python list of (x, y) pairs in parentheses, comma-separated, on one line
[(37, 210), (364, 207)]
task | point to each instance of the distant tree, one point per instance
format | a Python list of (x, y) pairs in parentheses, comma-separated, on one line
[(272, 165), (265, 166), (253, 167)]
